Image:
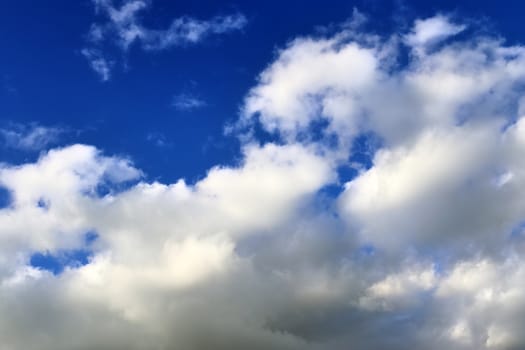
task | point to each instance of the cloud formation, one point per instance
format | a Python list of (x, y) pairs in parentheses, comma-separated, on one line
[(122, 26), (422, 249), (431, 31), (187, 102), (32, 137), (100, 64)]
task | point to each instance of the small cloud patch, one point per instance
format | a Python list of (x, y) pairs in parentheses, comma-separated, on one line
[(31, 137), (187, 102)]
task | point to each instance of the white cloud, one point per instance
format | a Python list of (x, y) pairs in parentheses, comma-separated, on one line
[(188, 30), (101, 65), (122, 26), (432, 30), (187, 102), (155, 240), (423, 249), (399, 290), (288, 95), (31, 137)]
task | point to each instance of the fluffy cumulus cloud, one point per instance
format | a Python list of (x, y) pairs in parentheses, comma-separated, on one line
[(121, 25), (422, 248)]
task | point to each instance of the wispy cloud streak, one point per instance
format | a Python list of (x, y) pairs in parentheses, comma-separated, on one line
[(122, 26)]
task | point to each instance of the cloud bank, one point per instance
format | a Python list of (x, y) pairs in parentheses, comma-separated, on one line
[(422, 248)]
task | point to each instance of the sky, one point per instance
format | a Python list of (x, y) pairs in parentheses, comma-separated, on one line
[(273, 175)]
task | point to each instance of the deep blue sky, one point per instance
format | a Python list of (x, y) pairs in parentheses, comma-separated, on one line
[(45, 79)]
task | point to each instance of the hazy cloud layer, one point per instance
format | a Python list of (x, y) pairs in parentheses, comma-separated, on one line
[(423, 249)]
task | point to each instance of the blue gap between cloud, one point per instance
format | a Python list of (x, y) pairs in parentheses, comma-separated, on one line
[(518, 231), (364, 147), (107, 187), (264, 136), (5, 198), (57, 262), (43, 204)]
